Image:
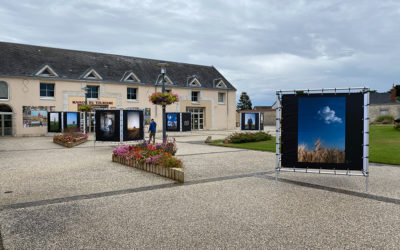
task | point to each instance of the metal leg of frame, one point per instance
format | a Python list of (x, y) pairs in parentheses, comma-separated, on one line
[(367, 183)]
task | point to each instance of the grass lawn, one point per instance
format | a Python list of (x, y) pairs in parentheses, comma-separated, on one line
[(384, 145), (259, 145)]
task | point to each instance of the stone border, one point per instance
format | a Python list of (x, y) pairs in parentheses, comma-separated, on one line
[(70, 144), (176, 174)]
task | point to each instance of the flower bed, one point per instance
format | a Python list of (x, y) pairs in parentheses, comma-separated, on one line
[(70, 139), (247, 137), (156, 159), (165, 98)]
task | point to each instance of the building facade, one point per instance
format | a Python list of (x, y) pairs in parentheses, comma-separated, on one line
[(36, 79)]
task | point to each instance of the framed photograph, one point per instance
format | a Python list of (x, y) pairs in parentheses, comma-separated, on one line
[(72, 122), (173, 121), (54, 122), (250, 121), (186, 121), (323, 131), (107, 125), (133, 125)]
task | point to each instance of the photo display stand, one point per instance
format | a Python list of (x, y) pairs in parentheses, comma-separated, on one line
[(179, 121), (323, 131), (119, 125), (251, 121)]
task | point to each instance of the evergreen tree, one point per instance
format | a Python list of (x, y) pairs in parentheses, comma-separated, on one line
[(244, 102)]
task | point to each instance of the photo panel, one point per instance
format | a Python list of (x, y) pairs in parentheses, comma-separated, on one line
[(186, 121), (72, 122), (107, 125), (250, 121), (173, 121), (54, 122), (133, 129), (322, 131)]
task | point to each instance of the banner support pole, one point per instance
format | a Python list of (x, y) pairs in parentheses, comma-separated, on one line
[(278, 132)]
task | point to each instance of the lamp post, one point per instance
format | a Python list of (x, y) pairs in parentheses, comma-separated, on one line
[(85, 89), (163, 67)]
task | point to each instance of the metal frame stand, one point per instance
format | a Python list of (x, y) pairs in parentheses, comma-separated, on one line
[(364, 172)]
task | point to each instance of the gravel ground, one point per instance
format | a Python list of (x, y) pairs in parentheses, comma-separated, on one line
[(77, 198)]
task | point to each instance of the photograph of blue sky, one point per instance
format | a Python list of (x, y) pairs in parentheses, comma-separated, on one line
[(72, 119), (322, 118), (253, 121)]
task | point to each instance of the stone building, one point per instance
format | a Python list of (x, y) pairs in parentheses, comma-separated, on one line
[(384, 104), (34, 80)]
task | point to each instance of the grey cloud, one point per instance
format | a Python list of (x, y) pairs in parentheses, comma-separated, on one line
[(260, 46)]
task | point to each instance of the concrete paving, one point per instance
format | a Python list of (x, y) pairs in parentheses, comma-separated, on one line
[(57, 198)]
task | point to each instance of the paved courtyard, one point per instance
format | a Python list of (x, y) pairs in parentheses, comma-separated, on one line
[(52, 197)]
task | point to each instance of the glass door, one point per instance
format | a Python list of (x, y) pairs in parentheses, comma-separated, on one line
[(197, 117), (5, 124)]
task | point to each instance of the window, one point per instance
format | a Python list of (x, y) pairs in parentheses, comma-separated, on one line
[(131, 77), (221, 97), (195, 83), (167, 80), (131, 93), (47, 90), (92, 92), (383, 112), (46, 71), (92, 75), (3, 91), (195, 96), (221, 84)]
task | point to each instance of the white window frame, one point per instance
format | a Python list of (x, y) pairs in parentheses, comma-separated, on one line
[(167, 80), (98, 93), (221, 85), (51, 98), (132, 100), (223, 97), (131, 75), (195, 83), (49, 69), (198, 97), (8, 91), (97, 76)]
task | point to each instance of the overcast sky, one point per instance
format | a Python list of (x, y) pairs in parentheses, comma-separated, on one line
[(259, 46)]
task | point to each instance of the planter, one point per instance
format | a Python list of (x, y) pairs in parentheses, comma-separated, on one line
[(70, 144), (176, 174)]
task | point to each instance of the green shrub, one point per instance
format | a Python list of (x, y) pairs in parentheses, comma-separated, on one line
[(385, 119), (248, 137)]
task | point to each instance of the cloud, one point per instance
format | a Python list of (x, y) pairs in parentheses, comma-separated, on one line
[(260, 46), (328, 115)]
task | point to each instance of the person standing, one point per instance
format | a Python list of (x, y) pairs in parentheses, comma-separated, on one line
[(152, 130)]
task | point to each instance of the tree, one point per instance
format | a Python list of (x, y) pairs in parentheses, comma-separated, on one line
[(244, 102)]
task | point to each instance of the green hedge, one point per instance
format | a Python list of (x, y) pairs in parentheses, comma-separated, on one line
[(248, 137), (385, 119)]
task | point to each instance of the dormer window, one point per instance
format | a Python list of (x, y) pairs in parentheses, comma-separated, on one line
[(92, 75), (167, 80), (130, 77), (220, 84), (194, 83), (46, 71)]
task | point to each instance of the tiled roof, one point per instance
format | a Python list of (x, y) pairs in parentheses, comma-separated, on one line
[(379, 98), (26, 60)]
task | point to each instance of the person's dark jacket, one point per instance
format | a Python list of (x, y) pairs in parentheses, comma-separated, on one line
[(153, 127)]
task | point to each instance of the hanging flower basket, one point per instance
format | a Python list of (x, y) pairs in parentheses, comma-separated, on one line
[(165, 98)]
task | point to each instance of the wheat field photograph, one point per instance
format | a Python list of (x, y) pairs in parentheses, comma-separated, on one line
[(321, 129)]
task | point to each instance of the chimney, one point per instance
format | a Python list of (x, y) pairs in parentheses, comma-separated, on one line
[(393, 94)]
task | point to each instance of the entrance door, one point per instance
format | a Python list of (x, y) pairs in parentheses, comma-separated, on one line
[(197, 117), (5, 120), (5, 124)]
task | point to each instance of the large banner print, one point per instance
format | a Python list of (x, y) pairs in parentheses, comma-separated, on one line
[(107, 125), (133, 125), (323, 131), (72, 122), (173, 121), (54, 122), (250, 121)]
